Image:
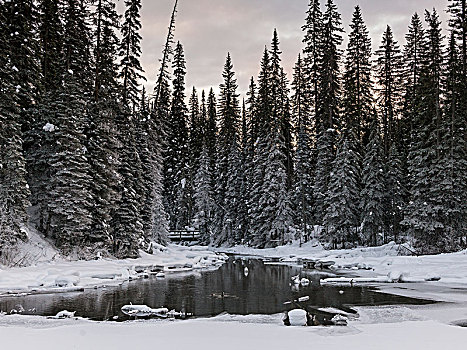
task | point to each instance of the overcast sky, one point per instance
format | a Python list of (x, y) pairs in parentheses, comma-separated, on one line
[(208, 29)]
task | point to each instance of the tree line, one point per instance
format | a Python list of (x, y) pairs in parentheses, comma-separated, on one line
[(359, 147)]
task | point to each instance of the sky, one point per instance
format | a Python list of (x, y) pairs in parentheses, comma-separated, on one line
[(208, 29)]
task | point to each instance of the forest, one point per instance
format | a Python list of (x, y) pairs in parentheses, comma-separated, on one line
[(357, 148)]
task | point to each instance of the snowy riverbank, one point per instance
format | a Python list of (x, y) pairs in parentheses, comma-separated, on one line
[(447, 272), (231, 332), (59, 275)]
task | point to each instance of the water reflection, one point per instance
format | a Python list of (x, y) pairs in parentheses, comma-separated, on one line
[(261, 291)]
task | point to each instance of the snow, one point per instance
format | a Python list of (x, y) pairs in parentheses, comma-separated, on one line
[(227, 332), (430, 276), (59, 275), (377, 327), (49, 127)]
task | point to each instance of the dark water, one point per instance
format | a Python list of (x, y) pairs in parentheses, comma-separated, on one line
[(262, 291)]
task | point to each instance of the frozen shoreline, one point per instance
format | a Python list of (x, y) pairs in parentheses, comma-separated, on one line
[(64, 276), (377, 265)]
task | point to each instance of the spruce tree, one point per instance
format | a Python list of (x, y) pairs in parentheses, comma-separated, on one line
[(389, 75), (357, 98), (312, 56), (396, 193), (342, 198), (373, 191), (51, 33), (211, 131), (14, 190), (424, 212), (303, 190), (327, 112), (453, 162), (69, 206), (227, 145), (176, 155), (101, 131), (413, 49), (203, 196), (130, 53)]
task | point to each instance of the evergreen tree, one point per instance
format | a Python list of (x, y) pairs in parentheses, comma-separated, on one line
[(14, 191), (342, 198), (357, 79), (260, 129), (51, 34), (127, 225), (20, 27), (327, 112), (211, 131), (130, 53), (197, 125), (396, 193), (413, 49), (312, 57), (176, 153), (303, 190), (373, 191), (101, 132), (389, 75), (69, 207), (227, 145), (203, 196), (243, 223), (451, 167), (424, 212)]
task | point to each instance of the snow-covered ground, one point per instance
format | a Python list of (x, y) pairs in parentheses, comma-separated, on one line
[(59, 275), (384, 327), (228, 333)]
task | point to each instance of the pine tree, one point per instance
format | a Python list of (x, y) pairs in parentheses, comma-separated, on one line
[(413, 49), (21, 23), (342, 198), (280, 107), (227, 145), (69, 207), (357, 79), (211, 131), (130, 53), (373, 191), (389, 76), (14, 191), (203, 196), (327, 113), (396, 193), (424, 213), (51, 33), (101, 133), (243, 222), (303, 190), (451, 167), (41, 144), (128, 229), (261, 125), (176, 155), (312, 57), (196, 131)]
